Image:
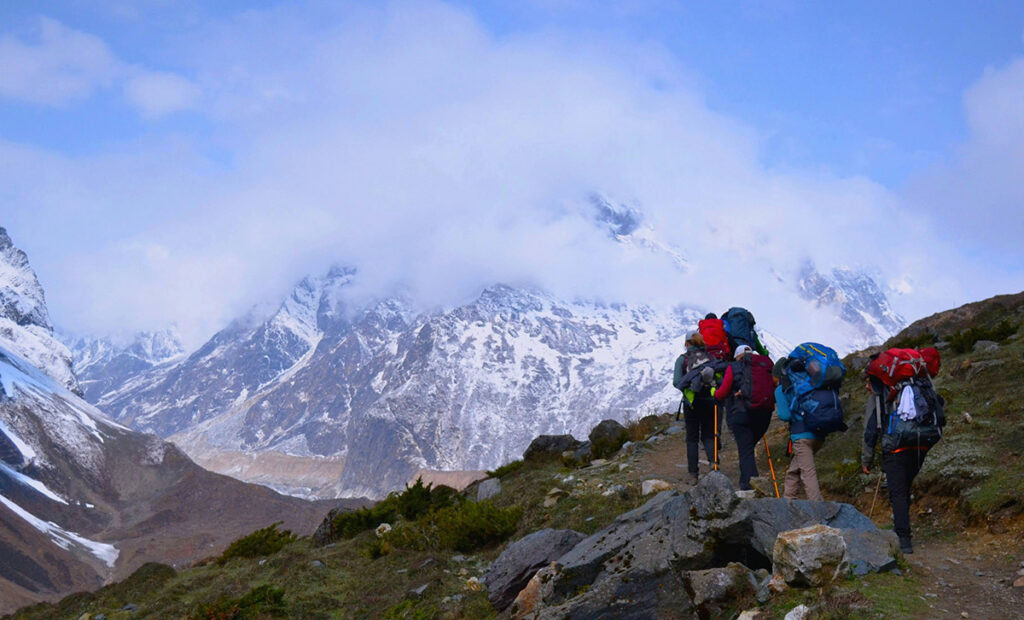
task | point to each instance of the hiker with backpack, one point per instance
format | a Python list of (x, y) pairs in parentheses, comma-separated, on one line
[(749, 394), (738, 324), (694, 377), (906, 414), (807, 398)]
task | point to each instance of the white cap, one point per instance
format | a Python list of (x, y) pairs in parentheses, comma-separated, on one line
[(742, 350)]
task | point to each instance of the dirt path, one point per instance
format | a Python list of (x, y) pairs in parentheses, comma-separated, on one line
[(961, 572)]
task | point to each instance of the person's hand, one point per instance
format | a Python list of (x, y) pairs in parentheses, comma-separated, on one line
[(865, 470)]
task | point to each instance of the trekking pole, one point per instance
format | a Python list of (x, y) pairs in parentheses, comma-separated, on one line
[(877, 486), (680, 409), (770, 465), (716, 436)]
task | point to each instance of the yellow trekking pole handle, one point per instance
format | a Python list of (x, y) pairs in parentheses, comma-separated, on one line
[(770, 465)]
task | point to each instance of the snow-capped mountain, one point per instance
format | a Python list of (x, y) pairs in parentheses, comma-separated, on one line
[(84, 499), (102, 364), (857, 299), (382, 391), (24, 320)]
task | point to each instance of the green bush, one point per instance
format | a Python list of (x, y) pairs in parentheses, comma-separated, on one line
[(416, 501), (464, 527), (963, 341), (506, 469), (261, 601), (266, 541)]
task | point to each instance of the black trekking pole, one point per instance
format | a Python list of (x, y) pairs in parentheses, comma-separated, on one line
[(679, 411)]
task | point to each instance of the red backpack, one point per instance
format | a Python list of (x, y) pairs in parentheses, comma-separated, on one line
[(756, 383), (716, 342), (931, 360), (895, 365)]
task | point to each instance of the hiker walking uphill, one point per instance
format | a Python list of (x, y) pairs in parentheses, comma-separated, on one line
[(907, 415), (748, 391), (807, 398), (694, 377)]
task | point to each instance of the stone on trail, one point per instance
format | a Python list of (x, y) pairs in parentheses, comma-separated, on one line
[(1019, 583), (509, 574), (810, 557), (654, 486), (800, 612)]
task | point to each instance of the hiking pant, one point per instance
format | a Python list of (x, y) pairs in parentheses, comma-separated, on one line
[(801, 470), (900, 469), (748, 431), (700, 429)]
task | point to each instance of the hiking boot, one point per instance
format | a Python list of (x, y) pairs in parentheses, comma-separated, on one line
[(692, 479), (905, 545)]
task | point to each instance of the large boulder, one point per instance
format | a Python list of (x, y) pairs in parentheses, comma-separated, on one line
[(550, 446), (488, 489), (869, 549), (509, 574), (811, 556), (634, 568), (607, 437), (653, 561)]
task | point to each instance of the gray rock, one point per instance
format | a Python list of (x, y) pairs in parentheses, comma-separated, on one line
[(316, 564), (800, 612), (635, 567), (550, 446), (715, 589), (578, 457), (520, 560), (983, 346), (607, 437), (654, 486), (417, 593), (488, 489), (130, 607), (869, 549)]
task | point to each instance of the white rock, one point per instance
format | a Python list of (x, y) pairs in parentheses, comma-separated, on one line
[(800, 612)]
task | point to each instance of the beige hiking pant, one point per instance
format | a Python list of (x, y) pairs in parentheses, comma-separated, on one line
[(801, 470)]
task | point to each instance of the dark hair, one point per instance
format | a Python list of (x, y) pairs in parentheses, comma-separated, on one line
[(711, 315)]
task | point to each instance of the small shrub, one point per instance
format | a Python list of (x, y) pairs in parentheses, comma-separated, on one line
[(506, 469), (377, 548), (963, 341), (416, 501), (266, 541), (924, 339), (464, 527), (259, 602)]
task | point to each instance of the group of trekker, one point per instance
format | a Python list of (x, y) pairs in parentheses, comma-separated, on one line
[(726, 369)]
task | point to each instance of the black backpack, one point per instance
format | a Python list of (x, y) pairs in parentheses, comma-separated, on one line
[(924, 430), (739, 327)]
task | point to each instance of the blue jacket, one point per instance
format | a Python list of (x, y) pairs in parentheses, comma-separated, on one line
[(797, 430)]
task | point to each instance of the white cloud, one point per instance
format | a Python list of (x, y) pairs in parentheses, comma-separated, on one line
[(59, 66), (157, 94), (440, 158)]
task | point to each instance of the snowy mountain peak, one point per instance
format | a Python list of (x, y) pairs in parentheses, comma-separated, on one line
[(856, 296), (24, 320), (620, 219), (21, 296)]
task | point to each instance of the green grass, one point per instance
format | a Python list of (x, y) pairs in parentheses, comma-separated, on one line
[(876, 596)]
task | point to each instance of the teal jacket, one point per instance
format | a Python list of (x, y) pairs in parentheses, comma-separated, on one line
[(796, 424)]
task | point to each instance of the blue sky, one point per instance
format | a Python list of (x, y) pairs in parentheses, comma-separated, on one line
[(168, 161)]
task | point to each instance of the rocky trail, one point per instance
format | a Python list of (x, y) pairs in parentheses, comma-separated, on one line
[(964, 573)]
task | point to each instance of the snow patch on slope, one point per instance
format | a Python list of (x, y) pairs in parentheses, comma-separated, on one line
[(63, 538)]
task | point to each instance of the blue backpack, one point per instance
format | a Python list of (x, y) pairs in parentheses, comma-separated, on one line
[(814, 375), (739, 328)]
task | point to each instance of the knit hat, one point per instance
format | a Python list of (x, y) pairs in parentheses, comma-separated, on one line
[(742, 350)]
